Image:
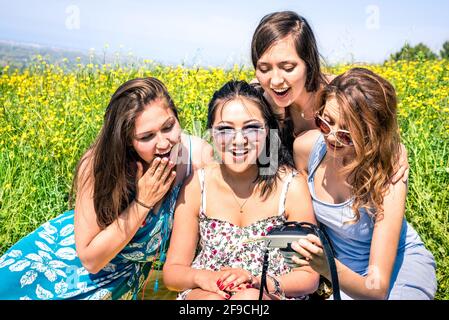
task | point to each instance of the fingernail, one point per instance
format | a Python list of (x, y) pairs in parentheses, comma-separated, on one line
[(218, 283), (239, 288), (228, 296), (231, 285), (302, 242), (249, 286)]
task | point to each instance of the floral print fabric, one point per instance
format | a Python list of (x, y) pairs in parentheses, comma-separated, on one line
[(223, 244)]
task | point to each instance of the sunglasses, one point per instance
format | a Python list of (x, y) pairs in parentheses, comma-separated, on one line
[(342, 136), (225, 135)]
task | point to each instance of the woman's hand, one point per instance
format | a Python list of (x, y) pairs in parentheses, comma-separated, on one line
[(155, 182), (403, 169), (235, 279), (209, 282), (312, 254)]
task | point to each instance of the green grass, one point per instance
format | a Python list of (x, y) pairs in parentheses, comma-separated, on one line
[(49, 116)]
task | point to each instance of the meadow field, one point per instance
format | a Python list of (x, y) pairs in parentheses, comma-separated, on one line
[(50, 114)]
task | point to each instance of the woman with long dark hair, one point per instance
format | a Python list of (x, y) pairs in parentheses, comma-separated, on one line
[(126, 187), (225, 205)]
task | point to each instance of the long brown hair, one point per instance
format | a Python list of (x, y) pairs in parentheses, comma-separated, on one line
[(113, 157), (368, 106), (278, 25)]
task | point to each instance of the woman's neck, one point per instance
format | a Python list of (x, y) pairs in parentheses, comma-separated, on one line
[(336, 164), (301, 112), (239, 179), (304, 103)]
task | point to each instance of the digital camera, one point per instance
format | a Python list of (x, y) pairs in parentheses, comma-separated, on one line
[(282, 237)]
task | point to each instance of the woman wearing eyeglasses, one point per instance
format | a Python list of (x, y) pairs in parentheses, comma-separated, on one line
[(349, 161), (252, 189), (285, 57)]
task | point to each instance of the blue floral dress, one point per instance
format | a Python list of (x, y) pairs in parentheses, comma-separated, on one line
[(45, 265)]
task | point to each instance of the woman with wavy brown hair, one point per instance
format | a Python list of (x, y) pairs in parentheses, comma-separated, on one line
[(126, 188), (350, 161)]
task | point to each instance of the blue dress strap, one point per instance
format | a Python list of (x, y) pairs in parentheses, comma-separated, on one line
[(316, 155)]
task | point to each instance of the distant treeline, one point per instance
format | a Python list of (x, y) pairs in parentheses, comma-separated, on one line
[(20, 55), (420, 51)]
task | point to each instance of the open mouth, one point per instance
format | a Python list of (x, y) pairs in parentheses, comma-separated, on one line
[(239, 155), (163, 155), (281, 93)]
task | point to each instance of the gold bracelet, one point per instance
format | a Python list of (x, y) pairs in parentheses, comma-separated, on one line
[(143, 204)]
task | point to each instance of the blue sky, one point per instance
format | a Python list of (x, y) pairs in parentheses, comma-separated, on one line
[(219, 32)]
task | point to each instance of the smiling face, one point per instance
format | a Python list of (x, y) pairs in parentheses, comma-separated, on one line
[(239, 133), (157, 131), (332, 115), (282, 73)]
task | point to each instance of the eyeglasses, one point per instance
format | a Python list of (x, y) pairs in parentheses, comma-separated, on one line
[(342, 136), (225, 135)]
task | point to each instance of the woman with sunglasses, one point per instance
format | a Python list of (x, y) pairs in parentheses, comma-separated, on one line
[(349, 162), (226, 206), (285, 57)]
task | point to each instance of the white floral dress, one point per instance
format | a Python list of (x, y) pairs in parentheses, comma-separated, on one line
[(222, 244)]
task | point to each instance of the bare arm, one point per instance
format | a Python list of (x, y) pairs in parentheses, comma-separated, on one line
[(96, 247), (303, 280), (202, 153), (302, 147), (178, 273), (382, 255), (403, 167), (383, 252)]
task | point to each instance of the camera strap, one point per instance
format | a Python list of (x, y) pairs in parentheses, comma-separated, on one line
[(327, 248)]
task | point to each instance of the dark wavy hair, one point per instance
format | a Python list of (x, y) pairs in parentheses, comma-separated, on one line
[(242, 90), (113, 157)]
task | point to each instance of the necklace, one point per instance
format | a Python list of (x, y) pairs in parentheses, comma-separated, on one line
[(240, 205), (312, 98), (304, 117), (237, 201)]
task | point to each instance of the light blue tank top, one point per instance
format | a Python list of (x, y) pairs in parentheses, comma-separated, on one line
[(351, 241)]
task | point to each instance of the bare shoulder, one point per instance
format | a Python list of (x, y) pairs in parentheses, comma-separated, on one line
[(192, 184), (302, 147), (298, 184), (299, 178), (307, 139), (202, 152), (298, 204), (84, 170)]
